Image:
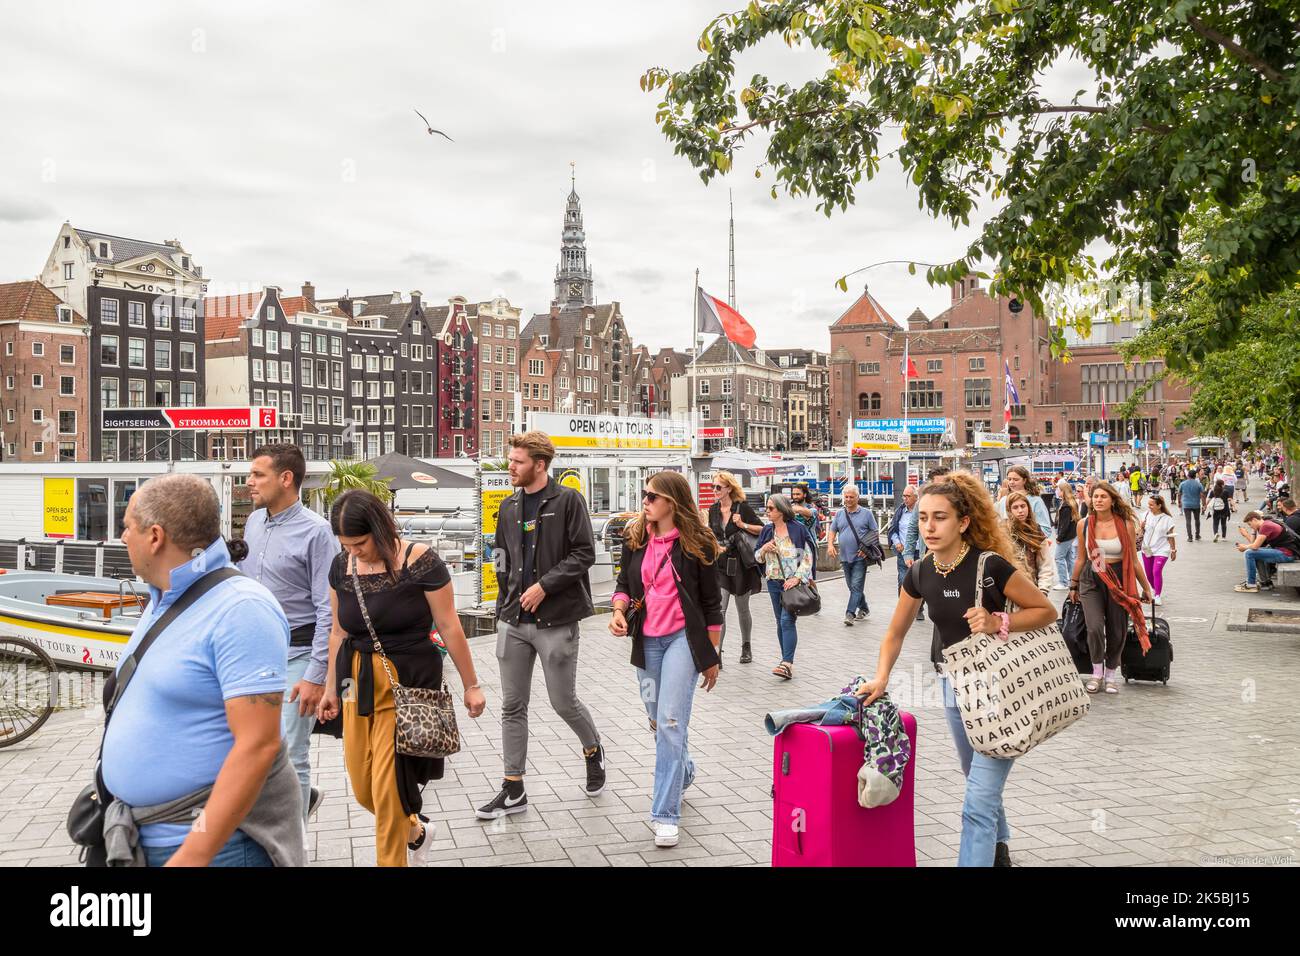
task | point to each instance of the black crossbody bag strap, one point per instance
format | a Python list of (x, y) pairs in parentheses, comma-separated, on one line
[(117, 682)]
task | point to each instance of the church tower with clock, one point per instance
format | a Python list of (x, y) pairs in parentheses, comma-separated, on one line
[(573, 283)]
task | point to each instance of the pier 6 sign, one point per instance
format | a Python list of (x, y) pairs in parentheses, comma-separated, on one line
[(191, 419), (607, 431)]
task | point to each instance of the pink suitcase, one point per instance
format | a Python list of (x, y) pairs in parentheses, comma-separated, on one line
[(816, 819)]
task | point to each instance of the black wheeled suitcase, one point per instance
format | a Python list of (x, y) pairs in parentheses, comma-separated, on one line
[(1075, 631), (1155, 664)]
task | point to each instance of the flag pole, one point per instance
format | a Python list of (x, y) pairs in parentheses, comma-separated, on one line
[(907, 400), (690, 379)]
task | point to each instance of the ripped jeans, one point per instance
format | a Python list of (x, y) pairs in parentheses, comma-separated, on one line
[(667, 685)]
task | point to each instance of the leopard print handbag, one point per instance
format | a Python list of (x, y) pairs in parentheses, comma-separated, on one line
[(425, 717)]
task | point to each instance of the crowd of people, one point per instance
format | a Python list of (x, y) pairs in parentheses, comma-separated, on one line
[(328, 628)]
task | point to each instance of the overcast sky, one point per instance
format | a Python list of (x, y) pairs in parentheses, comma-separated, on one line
[(278, 143)]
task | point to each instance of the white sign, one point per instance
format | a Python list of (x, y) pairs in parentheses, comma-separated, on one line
[(607, 431), (992, 440), (869, 440), (795, 375)]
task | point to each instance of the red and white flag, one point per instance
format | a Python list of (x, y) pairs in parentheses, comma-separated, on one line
[(715, 317), (908, 368)]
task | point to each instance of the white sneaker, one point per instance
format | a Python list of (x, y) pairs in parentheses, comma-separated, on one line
[(1216, 536), (419, 856), (665, 834), (1158, 601)]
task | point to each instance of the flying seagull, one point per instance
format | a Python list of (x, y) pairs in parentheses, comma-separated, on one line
[(432, 130)]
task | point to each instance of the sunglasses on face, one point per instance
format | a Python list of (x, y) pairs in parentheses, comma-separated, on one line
[(650, 496)]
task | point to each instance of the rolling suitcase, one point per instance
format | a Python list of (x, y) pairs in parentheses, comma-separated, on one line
[(1075, 631), (1155, 664), (816, 819)]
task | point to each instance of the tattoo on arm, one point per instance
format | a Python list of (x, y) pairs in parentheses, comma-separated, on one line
[(271, 700)]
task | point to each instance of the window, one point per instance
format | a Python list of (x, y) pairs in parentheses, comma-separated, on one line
[(487, 381), (498, 381), (108, 392), (108, 351), (500, 354), (541, 339), (135, 314), (726, 410), (372, 414), (357, 361), (358, 389), (372, 389), (417, 353), (933, 365), (67, 355), (304, 341), (305, 367), (38, 349), (322, 413), (1016, 360), (510, 355), (979, 393), (38, 381), (108, 311), (704, 387), (922, 394), (498, 409), (389, 389), (187, 394), (336, 410), (257, 371), (704, 411), (162, 393), (135, 353), (38, 415), (162, 355), (185, 318), (272, 336), (308, 410), (416, 327), (336, 376), (726, 386), (67, 423), (977, 365), (67, 386), (286, 373), (372, 363), (336, 345), (162, 314), (259, 396), (485, 354), (977, 425), (257, 338), (67, 270), (135, 393), (868, 368), (406, 350), (388, 363), (38, 447), (512, 382)]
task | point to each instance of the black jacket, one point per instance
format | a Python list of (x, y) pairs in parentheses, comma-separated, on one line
[(565, 551), (697, 587)]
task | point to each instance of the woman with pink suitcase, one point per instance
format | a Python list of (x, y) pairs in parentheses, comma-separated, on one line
[(957, 521)]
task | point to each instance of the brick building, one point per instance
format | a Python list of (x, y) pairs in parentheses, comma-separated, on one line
[(457, 428), (496, 330), (740, 389), (959, 356), (44, 400), (537, 378), (806, 393)]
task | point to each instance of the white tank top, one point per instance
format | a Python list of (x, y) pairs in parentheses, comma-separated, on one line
[(1110, 548)]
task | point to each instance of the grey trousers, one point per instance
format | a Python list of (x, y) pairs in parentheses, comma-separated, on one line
[(742, 612), (1107, 621), (518, 646)]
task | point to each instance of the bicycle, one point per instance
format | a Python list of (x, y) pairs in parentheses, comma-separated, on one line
[(29, 688)]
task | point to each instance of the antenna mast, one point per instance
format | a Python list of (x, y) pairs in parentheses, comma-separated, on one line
[(731, 254)]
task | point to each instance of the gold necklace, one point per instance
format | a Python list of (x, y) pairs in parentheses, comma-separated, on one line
[(947, 569)]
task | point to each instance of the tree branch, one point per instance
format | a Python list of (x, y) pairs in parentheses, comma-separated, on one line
[(768, 120), (1228, 43)]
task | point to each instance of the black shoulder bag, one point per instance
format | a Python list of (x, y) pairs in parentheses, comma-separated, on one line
[(86, 816), (874, 553)]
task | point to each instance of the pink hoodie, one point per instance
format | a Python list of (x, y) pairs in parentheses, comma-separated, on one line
[(663, 606)]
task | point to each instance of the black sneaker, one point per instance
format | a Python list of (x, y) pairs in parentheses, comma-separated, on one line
[(1002, 855), (596, 773), (511, 799), (745, 655), (313, 804)]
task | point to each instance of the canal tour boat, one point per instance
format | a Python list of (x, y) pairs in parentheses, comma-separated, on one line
[(81, 621)]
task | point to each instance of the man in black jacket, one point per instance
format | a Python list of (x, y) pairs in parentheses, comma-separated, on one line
[(544, 548)]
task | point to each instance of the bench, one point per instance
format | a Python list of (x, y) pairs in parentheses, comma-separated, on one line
[(1287, 575)]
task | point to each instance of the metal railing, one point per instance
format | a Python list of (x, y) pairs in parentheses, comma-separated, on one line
[(102, 559)]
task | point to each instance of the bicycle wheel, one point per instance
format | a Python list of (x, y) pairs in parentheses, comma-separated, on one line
[(29, 688)]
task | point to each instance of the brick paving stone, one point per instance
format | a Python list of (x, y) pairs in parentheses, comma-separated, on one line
[(1202, 768)]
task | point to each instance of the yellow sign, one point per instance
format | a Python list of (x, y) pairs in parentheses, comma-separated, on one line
[(60, 508), (496, 489), (572, 479), (992, 440), (870, 439), (605, 431)]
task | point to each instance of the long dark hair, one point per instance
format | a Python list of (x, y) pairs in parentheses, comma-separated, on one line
[(358, 513), (1218, 488)]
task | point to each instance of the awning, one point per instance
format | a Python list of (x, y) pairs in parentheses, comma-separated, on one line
[(403, 472), (751, 465)]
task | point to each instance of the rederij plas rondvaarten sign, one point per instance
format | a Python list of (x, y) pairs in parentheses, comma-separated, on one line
[(607, 431)]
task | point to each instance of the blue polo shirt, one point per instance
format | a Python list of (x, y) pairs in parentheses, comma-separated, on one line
[(1190, 491), (169, 736)]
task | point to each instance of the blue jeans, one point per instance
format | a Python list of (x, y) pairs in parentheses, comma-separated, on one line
[(1267, 555), (667, 690), (902, 570), (983, 819), (296, 730), (240, 850), (831, 713), (1065, 555), (785, 622), (855, 576)]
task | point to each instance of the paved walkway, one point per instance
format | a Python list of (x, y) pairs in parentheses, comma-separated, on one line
[(1204, 771)]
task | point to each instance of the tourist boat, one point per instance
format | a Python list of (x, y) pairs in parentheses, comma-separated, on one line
[(79, 620)]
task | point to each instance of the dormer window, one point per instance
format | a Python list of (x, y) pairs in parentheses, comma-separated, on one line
[(185, 262), (542, 340), (65, 314), (103, 250)]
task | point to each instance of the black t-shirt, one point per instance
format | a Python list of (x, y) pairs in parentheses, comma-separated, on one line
[(1292, 521), (532, 506), (947, 599)]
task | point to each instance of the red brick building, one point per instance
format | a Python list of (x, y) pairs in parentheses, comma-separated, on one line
[(959, 355), (457, 429)]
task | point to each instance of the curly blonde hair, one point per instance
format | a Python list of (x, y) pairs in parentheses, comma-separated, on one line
[(971, 499), (697, 540)]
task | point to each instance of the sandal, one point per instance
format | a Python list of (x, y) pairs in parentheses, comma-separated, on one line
[(1112, 687), (783, 671), (1092, 685)]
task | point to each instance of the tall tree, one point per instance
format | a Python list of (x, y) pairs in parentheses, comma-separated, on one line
[(1192, 103)]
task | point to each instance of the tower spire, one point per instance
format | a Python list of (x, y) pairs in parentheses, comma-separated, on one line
[(573, 281)]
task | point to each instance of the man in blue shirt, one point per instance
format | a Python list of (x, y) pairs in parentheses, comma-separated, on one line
[(290, 550), (1192, 493), (853, 529), (203, 708)]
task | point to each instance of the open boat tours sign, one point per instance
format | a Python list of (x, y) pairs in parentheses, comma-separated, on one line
[(192, 419), (607, 431)]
